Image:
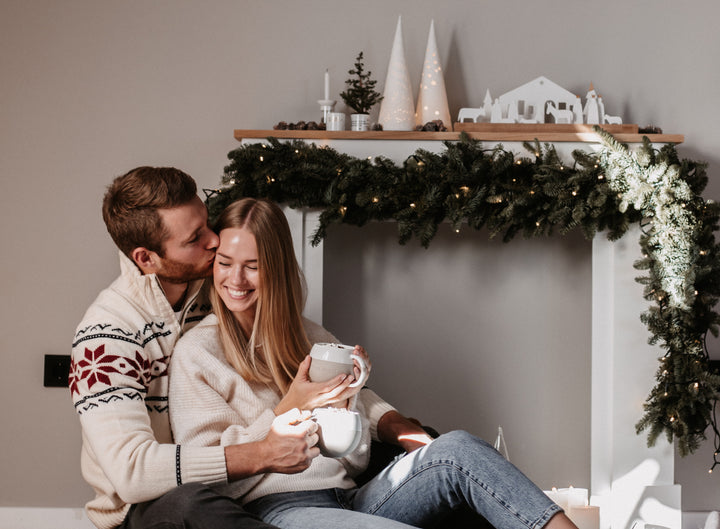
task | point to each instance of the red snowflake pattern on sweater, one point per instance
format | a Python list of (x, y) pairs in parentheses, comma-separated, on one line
[(97, 366)]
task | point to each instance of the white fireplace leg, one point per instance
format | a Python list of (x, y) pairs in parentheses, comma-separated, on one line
[(631, 482)]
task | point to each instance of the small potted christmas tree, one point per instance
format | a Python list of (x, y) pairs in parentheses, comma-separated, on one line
[(360, 94)]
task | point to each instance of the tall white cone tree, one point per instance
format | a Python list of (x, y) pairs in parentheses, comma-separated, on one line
[(432, 98), (397, 110)]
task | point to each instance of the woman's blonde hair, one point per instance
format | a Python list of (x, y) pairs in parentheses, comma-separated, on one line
[(278, 342)]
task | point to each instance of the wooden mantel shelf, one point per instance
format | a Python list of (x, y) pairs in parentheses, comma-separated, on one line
[(543, 133)]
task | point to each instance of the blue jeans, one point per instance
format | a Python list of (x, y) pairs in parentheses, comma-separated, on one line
[(419, 489)]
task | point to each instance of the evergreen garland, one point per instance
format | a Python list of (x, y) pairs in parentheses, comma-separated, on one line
[(535, 195)]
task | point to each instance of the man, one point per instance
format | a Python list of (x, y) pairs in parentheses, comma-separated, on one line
[(118, 375)]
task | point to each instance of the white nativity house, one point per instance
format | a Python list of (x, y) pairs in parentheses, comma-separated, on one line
[(540, 101), (531, 102)]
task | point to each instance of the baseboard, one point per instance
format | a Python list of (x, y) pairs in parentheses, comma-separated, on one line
[(44, 518)]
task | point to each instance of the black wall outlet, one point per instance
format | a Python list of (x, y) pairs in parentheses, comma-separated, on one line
[(57, 369)]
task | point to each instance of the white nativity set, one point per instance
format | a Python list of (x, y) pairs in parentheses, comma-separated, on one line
[(540, 101)]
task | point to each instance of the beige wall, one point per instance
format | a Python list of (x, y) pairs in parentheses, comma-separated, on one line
[(90, 89)]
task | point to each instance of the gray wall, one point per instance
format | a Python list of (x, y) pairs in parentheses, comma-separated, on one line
[(91, 89)]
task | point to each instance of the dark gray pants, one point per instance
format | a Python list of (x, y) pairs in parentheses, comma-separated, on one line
[(191, 506)]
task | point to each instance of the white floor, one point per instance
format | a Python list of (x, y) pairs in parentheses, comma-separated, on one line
[(43, 518), (59, 518)]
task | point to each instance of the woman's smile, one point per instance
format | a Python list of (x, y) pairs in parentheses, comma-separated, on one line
[(238, 294)]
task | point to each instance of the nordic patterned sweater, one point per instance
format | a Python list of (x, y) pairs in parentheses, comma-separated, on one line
[(119, 386), (212, 405)]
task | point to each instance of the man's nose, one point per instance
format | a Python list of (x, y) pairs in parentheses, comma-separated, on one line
[(213, 240)]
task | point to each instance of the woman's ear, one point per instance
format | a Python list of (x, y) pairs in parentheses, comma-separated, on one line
[(146, 260)]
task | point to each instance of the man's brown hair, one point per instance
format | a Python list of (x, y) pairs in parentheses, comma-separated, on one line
[(131, 203)]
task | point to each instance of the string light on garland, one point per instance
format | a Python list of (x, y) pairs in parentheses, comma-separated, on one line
[(605, 191)]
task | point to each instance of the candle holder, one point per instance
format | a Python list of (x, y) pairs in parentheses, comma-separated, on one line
[(326, 106)]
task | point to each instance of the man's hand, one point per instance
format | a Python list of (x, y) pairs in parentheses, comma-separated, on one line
[(291, 443), (288, 448)]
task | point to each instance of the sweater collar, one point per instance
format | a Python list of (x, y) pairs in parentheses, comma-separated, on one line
[(148, 288)]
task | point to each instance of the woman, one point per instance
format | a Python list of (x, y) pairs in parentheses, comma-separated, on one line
[(241, 367)]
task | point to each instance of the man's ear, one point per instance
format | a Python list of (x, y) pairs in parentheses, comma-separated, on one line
[(146, 260)]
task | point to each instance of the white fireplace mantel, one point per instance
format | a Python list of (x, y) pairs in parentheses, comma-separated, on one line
[(630, 481)]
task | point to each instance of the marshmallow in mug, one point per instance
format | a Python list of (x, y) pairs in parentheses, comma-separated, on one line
[(332, 359)]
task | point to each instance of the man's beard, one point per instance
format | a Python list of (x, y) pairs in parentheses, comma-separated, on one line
[(177, 272)]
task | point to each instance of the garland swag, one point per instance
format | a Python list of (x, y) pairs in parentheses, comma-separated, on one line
[(535, 195)]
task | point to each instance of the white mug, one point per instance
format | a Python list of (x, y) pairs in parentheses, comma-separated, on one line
[(332, 359), (339, 431), (335, 121)]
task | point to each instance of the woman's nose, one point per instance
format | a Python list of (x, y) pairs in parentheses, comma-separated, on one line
[(237, 275)]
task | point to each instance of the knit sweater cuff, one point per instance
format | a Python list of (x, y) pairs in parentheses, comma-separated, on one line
[(375, 408), (201, 463)]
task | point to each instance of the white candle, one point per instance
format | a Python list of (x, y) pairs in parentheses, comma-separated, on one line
[(568, 498), (585, 517), (327, 85), (558, 496), (577, 497)]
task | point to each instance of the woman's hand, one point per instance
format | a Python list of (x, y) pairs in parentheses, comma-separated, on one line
[(361, 352), (405, 432), (307, 395)]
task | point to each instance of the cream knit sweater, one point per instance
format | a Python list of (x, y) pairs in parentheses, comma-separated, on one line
[(119, 386), (211, 405)]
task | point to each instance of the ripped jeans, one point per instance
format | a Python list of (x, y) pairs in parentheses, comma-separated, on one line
[(418, 490)]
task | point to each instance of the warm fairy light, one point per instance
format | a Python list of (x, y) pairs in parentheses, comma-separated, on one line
[(574, 193), (262, 159), (375, 200), (412, 204), (465, 189), (537, 224), (269, 179), (343, 210)]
